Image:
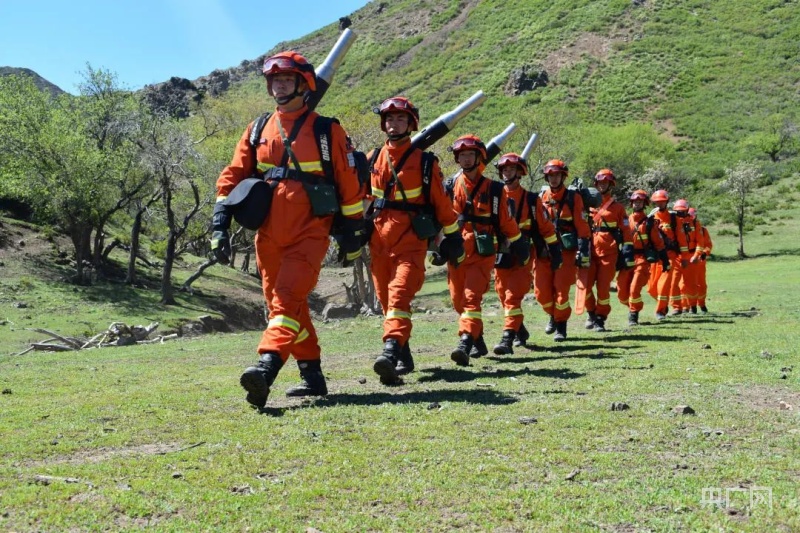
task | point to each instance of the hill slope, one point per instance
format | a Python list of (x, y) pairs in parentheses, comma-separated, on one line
[(39, 81)]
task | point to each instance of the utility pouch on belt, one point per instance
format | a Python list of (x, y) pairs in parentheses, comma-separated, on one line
[(620, 265), (504, 260), (323, 198), (424, 226), (651, 255), (484, 243), (569, 241)]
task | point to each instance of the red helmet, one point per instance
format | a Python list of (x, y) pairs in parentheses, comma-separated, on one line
[(290, 62), (555, 165), (605, 174), (512, 159), (640, 194), (401, 104), (680, 205), (660, 196), (469, 142)]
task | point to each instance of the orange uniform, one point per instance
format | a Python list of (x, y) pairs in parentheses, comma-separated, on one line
[(552, 287), (398, 254), (631, 281), (608, 222), (689, 285), (702, 283), (512, 284), (664, 286), (470, 281), (292, 242)]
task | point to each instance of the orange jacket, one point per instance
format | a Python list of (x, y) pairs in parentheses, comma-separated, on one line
[(290, 216), (557, 207), (530, 214), (694, 237), (674, 238), (605, 221), (641, 239), (482, 207), (707, 244), (393, 226)]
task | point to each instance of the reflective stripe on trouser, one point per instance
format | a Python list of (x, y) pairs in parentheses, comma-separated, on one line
[(511, 285), (397, 280), (702, 284), (468, 283), (552, 288), (661, 283), (601, 273), (288, 275), (689, 285), (630, 283)]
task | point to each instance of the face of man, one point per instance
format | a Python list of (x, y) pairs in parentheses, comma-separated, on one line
[(602, 186), (660, 205), (467, 158), (510, 174), (284, 85), (638, 205), (555, 179), (396, 123)]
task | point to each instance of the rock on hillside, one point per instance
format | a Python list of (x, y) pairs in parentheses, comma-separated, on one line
[(39, 81)]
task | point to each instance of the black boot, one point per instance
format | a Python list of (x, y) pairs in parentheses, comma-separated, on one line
[(551, 325), (257, 380), (633, 318), (599, 323), (385, 363), (461, 354), (312, 381), (479, 348), (405, 363), (704, 309), (522, 336), (561, 332), (591, 320), (505, 346), (694, 309)]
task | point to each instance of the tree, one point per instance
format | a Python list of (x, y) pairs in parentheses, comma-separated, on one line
[(779, 137), (740, 181), (70, 157), (659, 175)]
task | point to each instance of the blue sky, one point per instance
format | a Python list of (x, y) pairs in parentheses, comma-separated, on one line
[(148, 41)]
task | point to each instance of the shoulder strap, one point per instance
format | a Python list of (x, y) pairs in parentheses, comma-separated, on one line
[(322, 132), (532, 197), (428, 159), (255, 135)]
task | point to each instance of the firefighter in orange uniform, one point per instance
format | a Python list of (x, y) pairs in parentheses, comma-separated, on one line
[(702, 283), (569, 218), (409, 199), (648, 247), (611, 236), (512, 280), (664, 284), (484, 218), (689, 284), (292, 241)]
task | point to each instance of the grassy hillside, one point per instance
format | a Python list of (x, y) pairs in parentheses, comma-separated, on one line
[(706, 76)]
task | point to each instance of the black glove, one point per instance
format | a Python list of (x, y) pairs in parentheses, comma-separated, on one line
[(350, 241), (627, 255), (220, 239), (437, 259), (521, 248), (554, 250), (664, 260), (703, 256), (452, 248), (583, 256)]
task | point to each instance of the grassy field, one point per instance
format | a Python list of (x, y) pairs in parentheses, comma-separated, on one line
[(160, 435)]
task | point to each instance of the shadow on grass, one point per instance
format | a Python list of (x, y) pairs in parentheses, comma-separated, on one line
[(458, 375), (431, 398), (714, 258), (520, 360)]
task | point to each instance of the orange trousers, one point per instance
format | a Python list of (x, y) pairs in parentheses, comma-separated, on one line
[(552, 288), (630, 283), (511, 285), (397, 278), (288, 275), (468, 283), (601, 273), (664, 286), (689, 286), (702, 283)]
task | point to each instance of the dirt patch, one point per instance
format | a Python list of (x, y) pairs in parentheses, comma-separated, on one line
[(592, 44), (100, 455)]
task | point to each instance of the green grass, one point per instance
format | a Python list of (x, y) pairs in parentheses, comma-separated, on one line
[(159, 435)]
